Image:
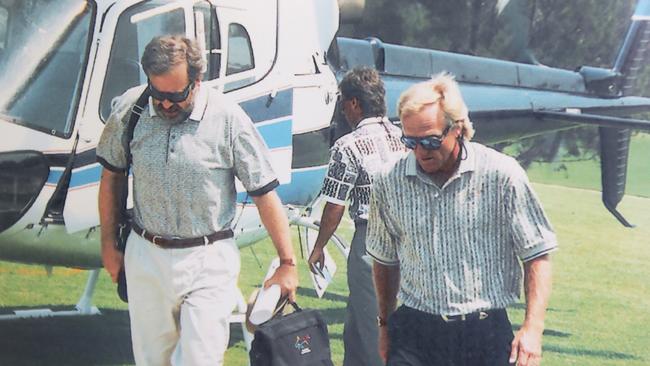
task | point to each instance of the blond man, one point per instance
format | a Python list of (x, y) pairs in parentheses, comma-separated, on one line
[(450, 225)]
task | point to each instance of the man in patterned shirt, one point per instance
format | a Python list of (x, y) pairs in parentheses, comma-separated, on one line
[(355, 158), (449, 224), (181, 260)]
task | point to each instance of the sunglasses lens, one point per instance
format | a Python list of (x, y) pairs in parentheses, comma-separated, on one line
[(176, 97), (409, 142), (427, 143), (155, 94), (431, 143), (172, 97)]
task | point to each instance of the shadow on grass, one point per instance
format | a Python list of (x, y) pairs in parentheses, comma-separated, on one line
[(522, 306), (72, 340), (547, 332), (609, 355), (605, 354)]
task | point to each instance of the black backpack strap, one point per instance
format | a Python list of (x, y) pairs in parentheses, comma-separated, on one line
[(136, 111), (295, 306), (124, 225)]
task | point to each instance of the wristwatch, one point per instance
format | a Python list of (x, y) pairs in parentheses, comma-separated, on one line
[(381, 322), (288, 262)]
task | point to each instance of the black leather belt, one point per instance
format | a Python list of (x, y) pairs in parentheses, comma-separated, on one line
[(179, 243)]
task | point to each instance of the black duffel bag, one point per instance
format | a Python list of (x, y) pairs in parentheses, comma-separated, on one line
[(296, 339)]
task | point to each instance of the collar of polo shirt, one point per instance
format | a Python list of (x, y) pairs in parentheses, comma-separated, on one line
[(200, 103), (370, 120)]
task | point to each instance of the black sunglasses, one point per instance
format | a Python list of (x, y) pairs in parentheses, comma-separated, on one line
[(176, 97), (431, 142)]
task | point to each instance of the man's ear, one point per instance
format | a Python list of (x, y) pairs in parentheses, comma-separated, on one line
[(355, 102)]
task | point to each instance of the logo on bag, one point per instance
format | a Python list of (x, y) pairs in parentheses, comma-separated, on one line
[(302, 344)]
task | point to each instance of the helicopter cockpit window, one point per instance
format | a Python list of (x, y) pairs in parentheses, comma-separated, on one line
[(135, 29), (240, 52), (43, 56)]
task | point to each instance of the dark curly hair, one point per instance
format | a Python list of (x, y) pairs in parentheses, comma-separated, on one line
[(164, 52), (365, 84)]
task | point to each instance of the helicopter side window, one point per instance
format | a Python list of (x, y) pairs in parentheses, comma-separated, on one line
[(240, 52), (135, 29), (207, 24)]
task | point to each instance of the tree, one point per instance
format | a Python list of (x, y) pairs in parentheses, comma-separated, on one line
[(558, 33)]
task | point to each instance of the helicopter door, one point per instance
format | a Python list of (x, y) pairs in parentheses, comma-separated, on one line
[(246, 54), (136, 27), (128, 28)]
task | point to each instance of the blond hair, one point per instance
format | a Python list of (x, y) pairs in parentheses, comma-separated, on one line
[(443, 90)]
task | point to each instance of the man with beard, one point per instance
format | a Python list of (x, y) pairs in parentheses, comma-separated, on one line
[(449, 226), (181, 260)]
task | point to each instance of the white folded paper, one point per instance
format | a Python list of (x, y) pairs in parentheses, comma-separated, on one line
[(267, 300)]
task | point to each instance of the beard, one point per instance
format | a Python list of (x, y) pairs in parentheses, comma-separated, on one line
[(175, 113)]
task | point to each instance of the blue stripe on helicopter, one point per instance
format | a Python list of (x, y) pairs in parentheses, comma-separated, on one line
[(86, 176), (54, 176), (304, 183), (277, 134)]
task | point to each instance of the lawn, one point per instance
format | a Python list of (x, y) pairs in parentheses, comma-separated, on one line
[(598, 313)]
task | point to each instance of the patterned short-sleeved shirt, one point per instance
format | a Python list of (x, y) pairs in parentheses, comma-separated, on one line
[(355, 158), (459, 246), (184, 173)]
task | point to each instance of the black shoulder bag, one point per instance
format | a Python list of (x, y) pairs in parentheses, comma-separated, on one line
[(124, 223), (296, 339)]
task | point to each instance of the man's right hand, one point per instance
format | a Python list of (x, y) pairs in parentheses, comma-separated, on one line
[(316, 260), (113, 261)]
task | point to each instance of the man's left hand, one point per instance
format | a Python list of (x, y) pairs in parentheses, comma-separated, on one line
[(527, 347), (286, 276)]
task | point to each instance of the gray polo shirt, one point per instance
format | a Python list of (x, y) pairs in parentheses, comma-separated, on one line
[(355, 158), (459, 246), (184, 173)]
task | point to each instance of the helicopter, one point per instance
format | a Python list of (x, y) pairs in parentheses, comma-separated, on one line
[(65, 61)]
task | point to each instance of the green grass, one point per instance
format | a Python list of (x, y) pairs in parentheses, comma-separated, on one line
[(598, 313)]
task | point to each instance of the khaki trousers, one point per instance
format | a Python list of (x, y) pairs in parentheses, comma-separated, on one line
[(180, 301)]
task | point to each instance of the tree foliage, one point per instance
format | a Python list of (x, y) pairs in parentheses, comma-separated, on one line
[(557, 33)]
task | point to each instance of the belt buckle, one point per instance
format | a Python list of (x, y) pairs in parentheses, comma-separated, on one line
[(462, 317), (153, 239)]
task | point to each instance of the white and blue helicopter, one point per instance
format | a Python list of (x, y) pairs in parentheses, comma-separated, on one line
[(64, 61)]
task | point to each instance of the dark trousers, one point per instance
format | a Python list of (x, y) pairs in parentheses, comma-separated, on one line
[(360, 333), (418, 339)]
